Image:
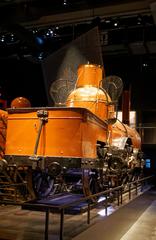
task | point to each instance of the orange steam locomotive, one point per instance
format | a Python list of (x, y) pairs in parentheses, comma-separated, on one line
[(81, 146)]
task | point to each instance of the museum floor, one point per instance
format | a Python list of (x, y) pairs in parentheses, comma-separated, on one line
[(133, 221)]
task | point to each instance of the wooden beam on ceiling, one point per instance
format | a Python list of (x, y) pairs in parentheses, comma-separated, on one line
[(125, 9)]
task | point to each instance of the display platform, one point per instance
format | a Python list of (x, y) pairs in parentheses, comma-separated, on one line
[(56, 202)]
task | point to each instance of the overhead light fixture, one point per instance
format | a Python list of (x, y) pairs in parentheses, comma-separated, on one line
[(107, 21), (64, 2), (2, 38), (145, 65), (39, 40), (139, 20)]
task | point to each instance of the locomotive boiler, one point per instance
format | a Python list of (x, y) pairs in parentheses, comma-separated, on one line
[(81, 146)]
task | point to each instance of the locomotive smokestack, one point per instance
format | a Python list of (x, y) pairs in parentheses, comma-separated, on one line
[(89, 75), (89, 94), (126, 107)]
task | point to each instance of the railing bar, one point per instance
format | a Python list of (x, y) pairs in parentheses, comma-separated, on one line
[(88, 214)]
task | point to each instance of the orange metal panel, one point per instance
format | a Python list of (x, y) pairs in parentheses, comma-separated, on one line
[(134, 135), (122, 130), (56, 134), (3, 127), (93, 130), (21, 133), (69, 132), (63, 133)]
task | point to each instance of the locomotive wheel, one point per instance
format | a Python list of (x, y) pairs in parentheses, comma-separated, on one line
[(43, 184)]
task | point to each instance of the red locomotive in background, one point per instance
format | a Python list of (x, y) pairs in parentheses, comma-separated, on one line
[(79, 146)]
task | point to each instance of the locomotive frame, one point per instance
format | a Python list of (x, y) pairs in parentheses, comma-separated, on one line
[(80, 147)]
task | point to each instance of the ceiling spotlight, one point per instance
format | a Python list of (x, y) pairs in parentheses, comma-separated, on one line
[(12, 37), (35, 31), (145, 65), (39, 40), (64, 2), (107, 21), (116, 22), (139, 20), (49, 33), (40, 56), (2, 38)]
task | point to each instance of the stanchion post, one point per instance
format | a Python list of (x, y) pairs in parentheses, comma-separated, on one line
[(106, 204), (121, 196), (136, 188), (88, 214), (118, 195), (142, 185), (46, 224), (62, 224), (129, 190)]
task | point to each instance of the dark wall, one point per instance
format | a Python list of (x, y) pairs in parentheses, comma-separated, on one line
[(137, 73), (20, 77)]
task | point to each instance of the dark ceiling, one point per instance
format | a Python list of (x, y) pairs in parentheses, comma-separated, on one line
[(37, 25), (39, 12), (26, 11), (30, 30)]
